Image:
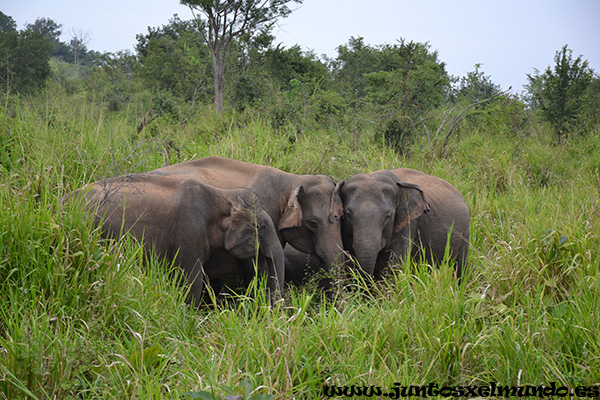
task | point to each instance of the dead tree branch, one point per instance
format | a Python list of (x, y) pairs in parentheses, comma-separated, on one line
[(460, 117), (147, 119)]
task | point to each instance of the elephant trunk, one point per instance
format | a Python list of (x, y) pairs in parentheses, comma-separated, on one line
[(367, 259), (271, 249), (332, 254), (367, 245)]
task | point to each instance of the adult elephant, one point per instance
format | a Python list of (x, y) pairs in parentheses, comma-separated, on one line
[(305, 209), (394, 212), (188, 222)]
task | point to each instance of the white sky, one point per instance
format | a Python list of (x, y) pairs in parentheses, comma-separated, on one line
[(509, 38)]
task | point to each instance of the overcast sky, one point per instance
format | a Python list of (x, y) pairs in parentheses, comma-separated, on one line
[(509, 38)]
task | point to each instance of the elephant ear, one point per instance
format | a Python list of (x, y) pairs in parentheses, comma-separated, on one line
[(292, 216), (239, 230), (336, 207), (412, 203)]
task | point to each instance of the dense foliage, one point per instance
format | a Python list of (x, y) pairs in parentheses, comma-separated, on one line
[(85, 318), (560, 92), (403, 88), (222, 21), (82, 318), (24, 60)]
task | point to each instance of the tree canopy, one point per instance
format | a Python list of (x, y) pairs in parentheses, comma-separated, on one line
[(401, 89), (559, 92), (224, 20), (7, 23), (174, 58), (24, 59)]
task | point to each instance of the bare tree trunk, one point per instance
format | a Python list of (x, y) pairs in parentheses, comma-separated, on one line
[(227, 19), (79, 39), (218, 51), (219, 77), (76, 50)]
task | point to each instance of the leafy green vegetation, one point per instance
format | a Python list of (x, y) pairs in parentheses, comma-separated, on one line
[(83, 318), (559, 91)]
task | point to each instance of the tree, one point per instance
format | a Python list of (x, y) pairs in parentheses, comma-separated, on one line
[(482, 104), (7, 23), (112, 77), (560, 92), (251, 80), (51, 30), (593, 102), (354, 60), (411, 82), (283, 65), (227, 19), (175, 60), (48, 28), (24, 60), (79, 39), (476, 86)]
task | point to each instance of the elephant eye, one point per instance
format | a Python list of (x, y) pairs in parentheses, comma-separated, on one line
[(313, 225)]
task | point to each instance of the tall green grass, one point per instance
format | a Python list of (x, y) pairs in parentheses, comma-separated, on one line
[(83, 318)]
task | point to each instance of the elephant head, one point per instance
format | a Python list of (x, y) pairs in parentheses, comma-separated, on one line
[(251, 233), (378, 209), (311, 220)]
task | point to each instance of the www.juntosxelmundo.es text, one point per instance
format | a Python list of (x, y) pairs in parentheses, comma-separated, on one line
[(432, 390)]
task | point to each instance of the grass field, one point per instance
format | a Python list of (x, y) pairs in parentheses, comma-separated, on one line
[(80, 318)]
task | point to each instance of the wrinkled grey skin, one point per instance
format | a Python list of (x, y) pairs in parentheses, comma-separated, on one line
[(191, 223), (400, 211), (305, 209)]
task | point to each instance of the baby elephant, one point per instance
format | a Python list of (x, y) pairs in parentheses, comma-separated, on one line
[(187, 221), (394, 212)]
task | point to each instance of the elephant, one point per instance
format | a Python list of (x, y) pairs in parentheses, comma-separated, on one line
[(191, 223), (305, 209), (403, 212)]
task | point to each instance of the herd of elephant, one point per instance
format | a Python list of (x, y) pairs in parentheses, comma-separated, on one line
[(213, 216)]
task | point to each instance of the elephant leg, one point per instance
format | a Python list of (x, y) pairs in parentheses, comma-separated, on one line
[(461, 263)]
